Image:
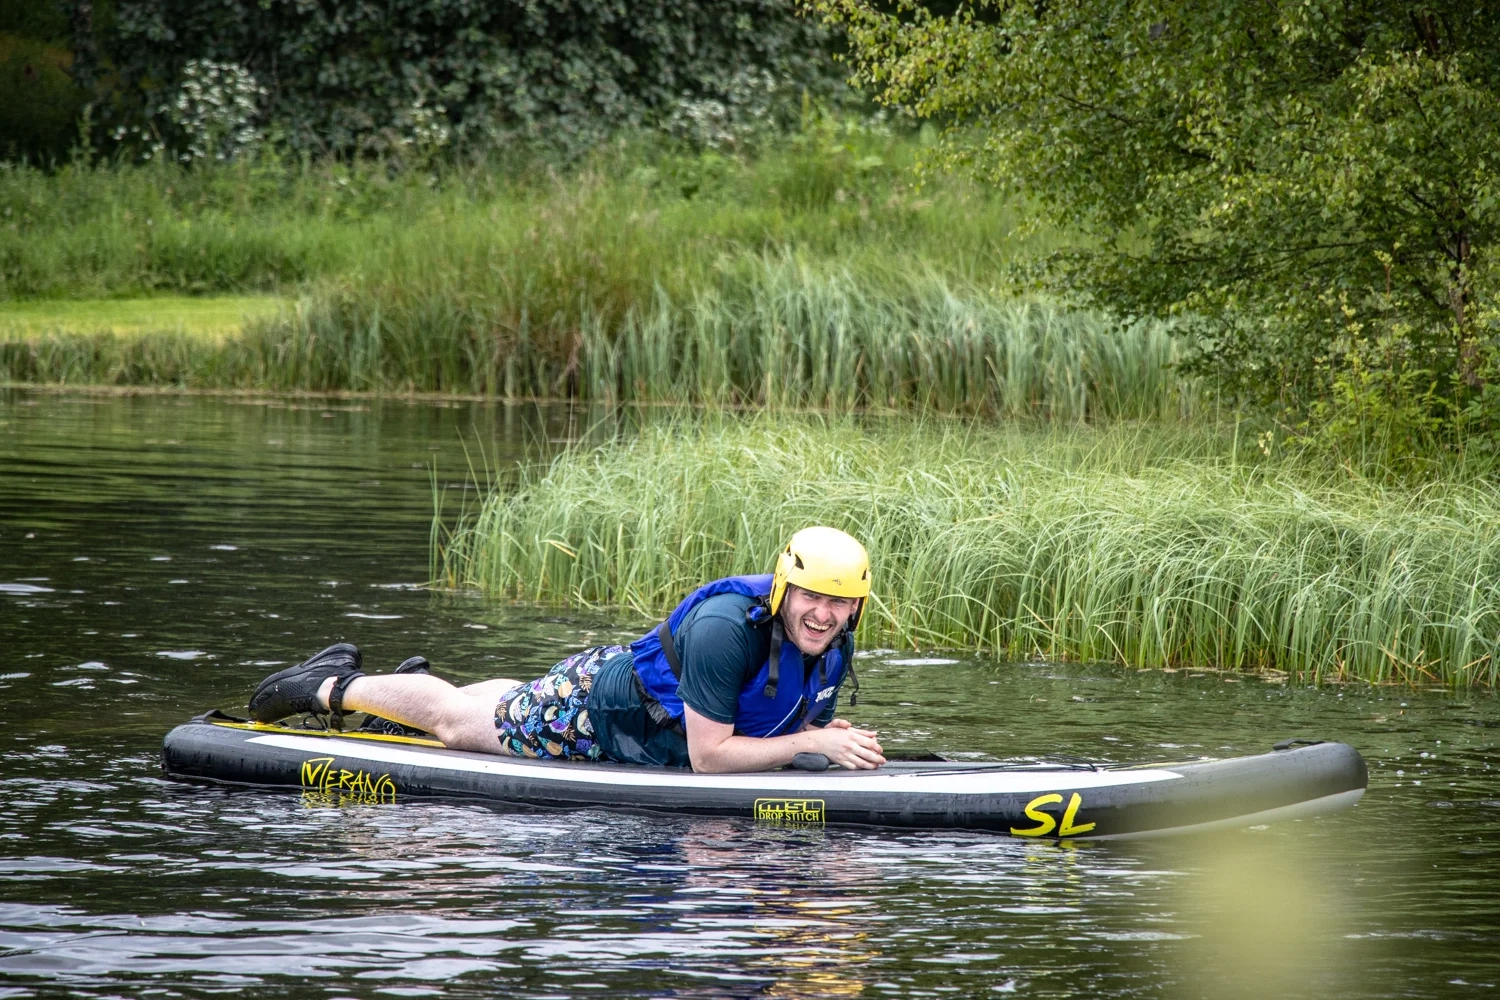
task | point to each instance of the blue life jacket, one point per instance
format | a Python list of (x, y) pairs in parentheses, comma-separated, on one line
[(778, 699)]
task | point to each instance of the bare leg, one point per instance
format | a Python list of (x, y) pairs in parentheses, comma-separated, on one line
[(491, 689), (461, 720)]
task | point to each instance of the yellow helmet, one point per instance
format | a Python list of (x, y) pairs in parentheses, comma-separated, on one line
[(823, 560)]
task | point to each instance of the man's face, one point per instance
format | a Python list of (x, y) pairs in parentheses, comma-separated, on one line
[(812, 620)]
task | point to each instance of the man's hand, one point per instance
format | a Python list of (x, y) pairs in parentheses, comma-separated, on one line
[(855, 749), (715, 749)]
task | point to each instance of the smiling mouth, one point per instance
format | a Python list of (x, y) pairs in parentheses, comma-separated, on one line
[(816, 629)]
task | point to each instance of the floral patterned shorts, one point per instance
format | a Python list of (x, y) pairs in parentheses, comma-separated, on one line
[(549, 717)]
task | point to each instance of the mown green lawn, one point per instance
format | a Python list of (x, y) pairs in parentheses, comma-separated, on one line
[(216, 317)]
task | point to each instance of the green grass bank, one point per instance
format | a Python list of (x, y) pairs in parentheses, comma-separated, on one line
[(215, 317), (1151, 547), (815, 273), (780, 331), (527, 232)]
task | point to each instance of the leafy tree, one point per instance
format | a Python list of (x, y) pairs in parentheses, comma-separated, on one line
[(1310, 185)]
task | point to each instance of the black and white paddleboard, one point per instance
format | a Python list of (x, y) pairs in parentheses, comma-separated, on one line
[(1054, 800)]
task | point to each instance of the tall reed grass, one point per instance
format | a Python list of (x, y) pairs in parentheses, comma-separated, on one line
[(776, 330), (1149, 547)]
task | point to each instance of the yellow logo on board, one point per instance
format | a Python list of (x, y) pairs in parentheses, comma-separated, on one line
[(1046, 823), (326, 784), (789, 812)]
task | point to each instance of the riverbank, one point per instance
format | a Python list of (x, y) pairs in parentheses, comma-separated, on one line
[(1146, 546), (768, 330), (818, 273)]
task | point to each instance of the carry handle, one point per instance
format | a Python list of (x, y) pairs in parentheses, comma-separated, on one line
[(810, 762), (1297, 741)]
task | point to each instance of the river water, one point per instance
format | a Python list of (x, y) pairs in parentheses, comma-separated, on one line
[(160, 554)]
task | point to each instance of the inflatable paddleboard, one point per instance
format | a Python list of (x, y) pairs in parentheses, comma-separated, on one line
[(1054, 800)]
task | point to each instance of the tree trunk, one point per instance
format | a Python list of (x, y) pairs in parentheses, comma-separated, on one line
[(1458, 302)]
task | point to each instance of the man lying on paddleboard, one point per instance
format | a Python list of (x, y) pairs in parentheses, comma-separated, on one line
[(742, 676)]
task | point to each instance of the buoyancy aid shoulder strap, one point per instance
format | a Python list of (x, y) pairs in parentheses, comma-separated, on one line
[(778, 636), (849, 669), (654, 708), (669, 649), (758, 615)]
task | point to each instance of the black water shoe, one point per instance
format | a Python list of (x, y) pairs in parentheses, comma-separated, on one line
[(414, 665), (294, 691), (390, 727)]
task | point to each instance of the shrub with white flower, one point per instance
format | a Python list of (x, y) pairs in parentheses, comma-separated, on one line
[(746, 109), (424, 127), (217, 107)]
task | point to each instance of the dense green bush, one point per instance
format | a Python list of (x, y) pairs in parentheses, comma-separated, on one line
[(40, 102), (344, 75), (39, 105)]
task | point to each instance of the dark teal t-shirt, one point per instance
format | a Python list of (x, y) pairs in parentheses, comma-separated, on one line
[(720, 652)]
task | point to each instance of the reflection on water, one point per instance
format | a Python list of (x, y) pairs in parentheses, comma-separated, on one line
[(159, 555)]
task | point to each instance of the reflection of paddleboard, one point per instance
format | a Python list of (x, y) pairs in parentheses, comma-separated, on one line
[(1034, 800)]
